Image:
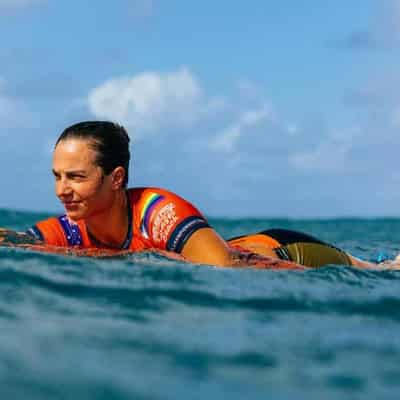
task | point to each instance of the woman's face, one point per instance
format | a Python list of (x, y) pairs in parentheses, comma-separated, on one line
[(80, 183)]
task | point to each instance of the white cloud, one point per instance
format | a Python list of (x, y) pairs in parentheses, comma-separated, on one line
[(148, 101), (226, 140), (254, 117), (234, 145)]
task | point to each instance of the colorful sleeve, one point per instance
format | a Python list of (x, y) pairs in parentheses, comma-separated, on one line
[(50, 232), (168, 221)]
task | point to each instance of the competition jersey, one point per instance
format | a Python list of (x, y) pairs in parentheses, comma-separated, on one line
[(157, 219)]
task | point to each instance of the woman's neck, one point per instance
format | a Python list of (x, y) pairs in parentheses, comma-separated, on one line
[(110, 228)]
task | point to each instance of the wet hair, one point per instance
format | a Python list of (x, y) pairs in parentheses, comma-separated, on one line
[(108, 139)]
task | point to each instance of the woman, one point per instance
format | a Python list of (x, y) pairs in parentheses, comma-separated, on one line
[(90, 166)]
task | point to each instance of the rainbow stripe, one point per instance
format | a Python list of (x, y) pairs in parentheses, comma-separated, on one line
[(149, 204)]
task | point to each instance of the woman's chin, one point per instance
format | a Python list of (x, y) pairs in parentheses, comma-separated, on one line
[(74, 215)]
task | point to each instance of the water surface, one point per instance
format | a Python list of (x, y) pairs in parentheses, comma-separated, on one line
[(143, 327)]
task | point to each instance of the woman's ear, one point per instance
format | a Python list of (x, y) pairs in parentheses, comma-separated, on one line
[(118, 176)]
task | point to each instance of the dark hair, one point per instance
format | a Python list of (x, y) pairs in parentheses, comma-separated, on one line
[(108, 139)]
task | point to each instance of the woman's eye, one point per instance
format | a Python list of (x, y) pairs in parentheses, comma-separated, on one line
[(77, 177)]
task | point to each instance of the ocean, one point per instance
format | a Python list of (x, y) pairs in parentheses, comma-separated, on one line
[(144, 327)]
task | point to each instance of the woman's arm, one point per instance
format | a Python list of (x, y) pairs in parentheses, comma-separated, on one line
[(356, 262), (205, 246)]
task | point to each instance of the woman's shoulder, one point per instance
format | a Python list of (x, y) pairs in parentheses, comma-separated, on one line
[(151, 193), (153, 201), (164, 218)]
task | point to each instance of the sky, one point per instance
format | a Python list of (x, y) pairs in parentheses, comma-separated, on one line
[(247, 109)]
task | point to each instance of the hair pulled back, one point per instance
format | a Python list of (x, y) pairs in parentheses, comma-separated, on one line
[(108, 139)]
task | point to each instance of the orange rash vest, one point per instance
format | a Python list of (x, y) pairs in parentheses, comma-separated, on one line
[(157, 219)]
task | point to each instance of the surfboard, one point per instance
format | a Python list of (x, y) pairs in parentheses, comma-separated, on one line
[(14, 239), (22, 240)]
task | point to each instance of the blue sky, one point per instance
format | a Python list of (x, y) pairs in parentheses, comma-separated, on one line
[(261, 108)]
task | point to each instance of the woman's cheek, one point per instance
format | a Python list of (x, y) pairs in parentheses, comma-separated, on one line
[(84, 191)]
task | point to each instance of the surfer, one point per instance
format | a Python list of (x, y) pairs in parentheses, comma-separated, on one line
[(90, 167)]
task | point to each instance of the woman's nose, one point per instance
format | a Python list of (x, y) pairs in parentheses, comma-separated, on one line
[(63, 188)]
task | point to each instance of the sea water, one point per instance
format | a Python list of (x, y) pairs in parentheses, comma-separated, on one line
[(143, 327)]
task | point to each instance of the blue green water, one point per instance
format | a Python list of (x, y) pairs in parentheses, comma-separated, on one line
[(144, 327)]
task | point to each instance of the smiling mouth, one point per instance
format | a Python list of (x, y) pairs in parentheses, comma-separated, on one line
[(71, 204)]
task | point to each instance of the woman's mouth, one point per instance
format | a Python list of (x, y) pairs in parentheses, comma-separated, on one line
[(71, 205)]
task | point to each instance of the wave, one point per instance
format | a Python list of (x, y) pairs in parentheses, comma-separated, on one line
[(119, 283), (143, 326)]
